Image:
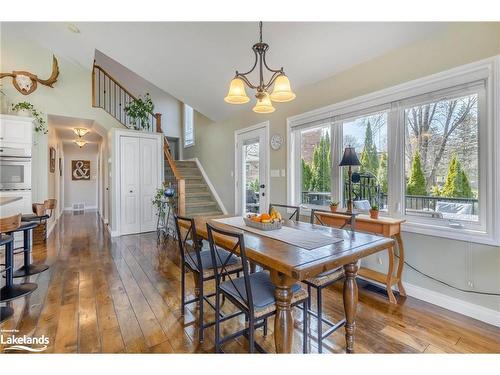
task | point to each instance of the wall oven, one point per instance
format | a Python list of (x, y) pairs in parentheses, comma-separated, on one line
[(15, 168)]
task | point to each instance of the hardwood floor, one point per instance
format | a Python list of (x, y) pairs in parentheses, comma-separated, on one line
[(104, 295)]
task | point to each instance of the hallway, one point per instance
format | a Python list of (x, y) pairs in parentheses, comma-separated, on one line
[(122, 295)]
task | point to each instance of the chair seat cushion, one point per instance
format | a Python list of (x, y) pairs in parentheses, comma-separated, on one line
[(4, 239), (262, 289), (33, 217), (25, 226), (206, 259), (326, 277)]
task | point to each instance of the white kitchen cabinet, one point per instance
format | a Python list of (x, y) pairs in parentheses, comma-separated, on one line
[(16, 131)]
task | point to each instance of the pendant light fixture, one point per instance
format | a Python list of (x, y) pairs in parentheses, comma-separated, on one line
[(81, 131), (281, 93), (80, 142)]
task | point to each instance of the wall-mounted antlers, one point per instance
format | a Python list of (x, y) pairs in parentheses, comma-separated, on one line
[(26, 82)]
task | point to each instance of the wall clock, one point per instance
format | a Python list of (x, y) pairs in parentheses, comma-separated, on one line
[(276, 141)]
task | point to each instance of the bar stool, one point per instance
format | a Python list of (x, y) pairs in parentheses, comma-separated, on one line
[(28, 269), (7, 311), (40, 214), (12, 291)]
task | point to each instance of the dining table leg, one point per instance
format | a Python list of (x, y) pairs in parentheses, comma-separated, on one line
[(350, 304), (283, 321)]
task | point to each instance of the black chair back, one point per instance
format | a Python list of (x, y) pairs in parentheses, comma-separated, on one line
[(238, 249), (285, 211), (185, 233), (350, 218)]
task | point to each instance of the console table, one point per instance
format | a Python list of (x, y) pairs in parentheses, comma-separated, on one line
[(384, 226)]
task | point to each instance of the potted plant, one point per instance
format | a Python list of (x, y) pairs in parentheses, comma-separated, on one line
[(374, 211), (333, 206), (28, 109), (139, 111)]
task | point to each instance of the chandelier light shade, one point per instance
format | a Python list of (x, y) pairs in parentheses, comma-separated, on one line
[(80, 131), (237, 93), (264, 104), (282, 91), (80, 142)]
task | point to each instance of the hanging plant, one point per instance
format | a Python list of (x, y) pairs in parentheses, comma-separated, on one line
[(40, 124), (139, 111)]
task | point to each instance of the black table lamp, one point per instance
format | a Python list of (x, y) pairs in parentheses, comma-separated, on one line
[(349, 159)]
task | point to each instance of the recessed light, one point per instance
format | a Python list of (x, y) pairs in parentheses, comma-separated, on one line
[(73, 28)]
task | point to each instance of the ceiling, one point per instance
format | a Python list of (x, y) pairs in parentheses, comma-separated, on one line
[(194, 61), (64, 128)]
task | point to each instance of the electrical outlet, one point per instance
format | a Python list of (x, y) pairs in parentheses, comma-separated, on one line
[(379, 260)]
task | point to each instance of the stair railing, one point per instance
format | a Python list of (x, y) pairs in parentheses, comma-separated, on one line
[(109, 95)]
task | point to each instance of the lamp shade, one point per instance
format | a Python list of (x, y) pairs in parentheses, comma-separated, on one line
[(350, 157), (80, 142), (264, 104), (80, 131), (282, 91), (237, 93)]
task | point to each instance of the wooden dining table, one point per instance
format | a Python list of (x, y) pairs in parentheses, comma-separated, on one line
[(289, 264)]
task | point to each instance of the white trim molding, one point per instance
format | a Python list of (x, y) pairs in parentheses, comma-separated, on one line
[(393, 100), (210, 185)]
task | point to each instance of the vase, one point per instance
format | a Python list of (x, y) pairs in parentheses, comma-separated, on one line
[(23, 112), (333, 208), (374, 214)]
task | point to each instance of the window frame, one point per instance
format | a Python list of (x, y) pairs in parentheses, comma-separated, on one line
[(185, 142), (395, 99)]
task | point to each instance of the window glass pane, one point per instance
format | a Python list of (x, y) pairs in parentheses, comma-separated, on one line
[(315, 166), (368, 135), (188, 126), (441, 159), (252, 172)]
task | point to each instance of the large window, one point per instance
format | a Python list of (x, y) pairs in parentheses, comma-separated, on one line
[(442, 160), (428, 152), (188, 126)]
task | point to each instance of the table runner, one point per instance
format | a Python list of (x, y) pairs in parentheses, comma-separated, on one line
[(305, 239)]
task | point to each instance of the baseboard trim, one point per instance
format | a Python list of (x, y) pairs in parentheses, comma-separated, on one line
[(210, 186), (472, 310)]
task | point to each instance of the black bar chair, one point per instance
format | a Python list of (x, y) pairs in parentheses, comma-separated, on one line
[(42, 212), (196, 258), (285, 210), (324, 280), (12, 291), (252, 294)]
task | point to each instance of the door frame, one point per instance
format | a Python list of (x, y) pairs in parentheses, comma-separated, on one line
[(115, 209), (262, 125)]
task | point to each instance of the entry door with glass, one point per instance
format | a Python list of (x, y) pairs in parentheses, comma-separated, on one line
[(252, 171)]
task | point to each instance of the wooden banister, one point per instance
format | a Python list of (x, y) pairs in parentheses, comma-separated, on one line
[(113, 97)]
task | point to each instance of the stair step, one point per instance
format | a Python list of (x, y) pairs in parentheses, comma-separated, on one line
[(208, 213), (208, 203)]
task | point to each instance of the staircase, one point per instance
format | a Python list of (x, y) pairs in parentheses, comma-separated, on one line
[(198, 197), (192, 194)]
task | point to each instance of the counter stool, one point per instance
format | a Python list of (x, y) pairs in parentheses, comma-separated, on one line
[(28, 269), (7, 311), (12, 291), (40, 215)]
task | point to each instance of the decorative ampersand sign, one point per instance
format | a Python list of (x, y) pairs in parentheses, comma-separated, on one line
[(81, 169)]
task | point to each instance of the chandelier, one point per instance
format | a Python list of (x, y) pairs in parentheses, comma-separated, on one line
[(281, 91), (80, 131), (80, 142)]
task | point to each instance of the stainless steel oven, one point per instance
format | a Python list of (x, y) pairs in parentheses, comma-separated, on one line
[(15, 168)]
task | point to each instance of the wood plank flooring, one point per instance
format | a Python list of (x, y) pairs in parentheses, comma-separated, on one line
[(121, 295)]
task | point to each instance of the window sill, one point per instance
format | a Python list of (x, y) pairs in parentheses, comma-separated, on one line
[(458, 234), (189, 145)]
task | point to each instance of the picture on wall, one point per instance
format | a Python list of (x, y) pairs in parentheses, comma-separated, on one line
[(52, 152), (80, 170)]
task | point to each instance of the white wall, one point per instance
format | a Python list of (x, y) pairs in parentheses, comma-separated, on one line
[(55, 180), (80, 191)]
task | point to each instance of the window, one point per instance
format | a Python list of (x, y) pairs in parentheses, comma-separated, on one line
[(316, 166), (442, 160), (368, 136), (428, 151), (188, 126)]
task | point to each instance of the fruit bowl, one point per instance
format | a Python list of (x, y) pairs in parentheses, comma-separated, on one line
[(273, 225)]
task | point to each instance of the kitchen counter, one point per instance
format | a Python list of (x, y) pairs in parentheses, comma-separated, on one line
[(7, 200)]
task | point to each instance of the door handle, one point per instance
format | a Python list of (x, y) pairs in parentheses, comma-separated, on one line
[(131, 191), (262, 186)]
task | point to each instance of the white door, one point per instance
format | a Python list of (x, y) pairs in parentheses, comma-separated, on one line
[(148, 182), (130, 201), (252, 170)]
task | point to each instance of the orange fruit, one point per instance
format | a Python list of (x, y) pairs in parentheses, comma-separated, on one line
[(266, 217)]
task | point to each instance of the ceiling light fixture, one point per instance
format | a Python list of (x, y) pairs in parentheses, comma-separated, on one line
[(282, 91), (73, 28), (80, 142), (81, 131)]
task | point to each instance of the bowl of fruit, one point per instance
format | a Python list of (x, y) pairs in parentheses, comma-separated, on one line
[(266, 221)]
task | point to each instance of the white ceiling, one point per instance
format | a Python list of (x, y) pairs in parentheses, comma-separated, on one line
[(194, 61), (64, 128)]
